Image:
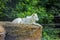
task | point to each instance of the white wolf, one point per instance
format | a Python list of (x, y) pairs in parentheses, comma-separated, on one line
[(28, 20)]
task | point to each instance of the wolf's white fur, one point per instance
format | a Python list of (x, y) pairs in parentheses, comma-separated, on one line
[(28, 20)]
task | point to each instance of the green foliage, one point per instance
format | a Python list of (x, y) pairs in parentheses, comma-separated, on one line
[(50, 34)]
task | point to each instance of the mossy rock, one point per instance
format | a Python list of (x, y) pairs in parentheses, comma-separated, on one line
[(22, 31)]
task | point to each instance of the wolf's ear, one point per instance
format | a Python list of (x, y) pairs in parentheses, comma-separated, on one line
[(33, 14)]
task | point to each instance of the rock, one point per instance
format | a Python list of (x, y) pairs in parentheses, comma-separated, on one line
[(22, 31), (2, 33)]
